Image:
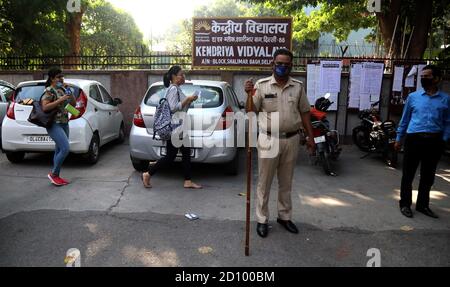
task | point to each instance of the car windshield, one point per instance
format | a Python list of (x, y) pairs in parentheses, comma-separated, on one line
[(208, 96), (35, 92)]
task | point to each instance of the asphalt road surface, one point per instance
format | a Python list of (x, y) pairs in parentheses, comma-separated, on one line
[(113, 220)]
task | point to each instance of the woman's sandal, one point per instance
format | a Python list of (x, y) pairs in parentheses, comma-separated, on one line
[(146, 185), (193, 186)]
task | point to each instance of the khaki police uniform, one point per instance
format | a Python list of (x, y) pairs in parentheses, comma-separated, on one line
[(278, 150)]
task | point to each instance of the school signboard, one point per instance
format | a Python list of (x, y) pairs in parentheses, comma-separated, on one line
[(239, 42)]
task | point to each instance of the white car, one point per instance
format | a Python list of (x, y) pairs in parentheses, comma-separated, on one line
[(216, 100), (98, 123)]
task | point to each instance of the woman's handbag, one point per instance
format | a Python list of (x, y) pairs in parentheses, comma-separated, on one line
[(41, 118)]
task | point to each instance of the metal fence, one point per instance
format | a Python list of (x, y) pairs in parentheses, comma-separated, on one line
[(152, 62), (164, 61)]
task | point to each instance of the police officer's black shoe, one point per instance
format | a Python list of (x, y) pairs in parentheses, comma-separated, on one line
[(427, 211), (406, 211), (262, 229), (289, 225)]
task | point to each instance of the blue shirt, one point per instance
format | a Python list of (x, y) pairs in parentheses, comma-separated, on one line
[(425, 114)]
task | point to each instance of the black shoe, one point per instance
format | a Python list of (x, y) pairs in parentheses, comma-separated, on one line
[(289, 225), (262, 229), (427, 211), (406, 211)]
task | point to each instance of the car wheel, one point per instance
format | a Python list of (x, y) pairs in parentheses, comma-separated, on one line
[(94, 150), (15, 157), (121, 137), (139, 165), (232, 167)]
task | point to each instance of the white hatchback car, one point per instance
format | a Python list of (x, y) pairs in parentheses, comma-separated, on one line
[(98, 123), (216, 101)]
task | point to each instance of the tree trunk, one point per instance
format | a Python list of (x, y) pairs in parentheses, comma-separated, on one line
[(422, 25), (73, 30), (387, 25)]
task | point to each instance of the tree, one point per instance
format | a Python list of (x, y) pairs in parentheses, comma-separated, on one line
[(32, 27), (47, 28), (73, 32), (340, 17), (108, 31)]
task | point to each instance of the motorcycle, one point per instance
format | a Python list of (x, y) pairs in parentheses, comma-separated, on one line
[(326, 140), (375, 136)]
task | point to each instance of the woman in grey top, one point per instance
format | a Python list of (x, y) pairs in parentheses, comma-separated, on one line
[(178, 103)]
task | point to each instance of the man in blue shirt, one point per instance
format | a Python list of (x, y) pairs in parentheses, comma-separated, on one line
[(425, 126)]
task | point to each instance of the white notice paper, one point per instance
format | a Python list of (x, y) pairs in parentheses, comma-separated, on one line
[(419, 73), (355, 82), (311, 83), (334, 99), (372, 77), (409, 81), (317, 93), (371, 80), (330, 76), (398, 78), (364, 102)]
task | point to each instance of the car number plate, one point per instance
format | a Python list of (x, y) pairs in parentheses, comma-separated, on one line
[(40, 139), (179, 154), (320, 139)]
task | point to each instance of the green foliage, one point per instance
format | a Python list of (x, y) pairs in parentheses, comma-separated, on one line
[(38, 28), (337, 17), (109, 31), (340, 17), (331, 16), (32, 27)]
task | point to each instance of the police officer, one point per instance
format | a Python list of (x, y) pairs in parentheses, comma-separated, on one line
[(282, 108)]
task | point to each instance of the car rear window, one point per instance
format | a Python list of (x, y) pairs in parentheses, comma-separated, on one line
[(209, 96), (35, 92)]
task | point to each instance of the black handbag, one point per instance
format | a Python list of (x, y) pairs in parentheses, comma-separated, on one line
[(41, 118)]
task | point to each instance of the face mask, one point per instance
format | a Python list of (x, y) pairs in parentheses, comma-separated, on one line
[(282, 71), (59, 84), (426, 83)]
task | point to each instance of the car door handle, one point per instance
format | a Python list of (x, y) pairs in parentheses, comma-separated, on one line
[(110, 113), (95, 109)]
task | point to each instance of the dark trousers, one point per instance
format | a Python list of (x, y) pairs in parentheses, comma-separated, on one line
[(427, 151), (171, 154)]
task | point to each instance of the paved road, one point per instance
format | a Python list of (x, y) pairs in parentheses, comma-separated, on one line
[(108, 215)]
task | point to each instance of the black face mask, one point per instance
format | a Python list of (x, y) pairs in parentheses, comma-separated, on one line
[(426, 83)]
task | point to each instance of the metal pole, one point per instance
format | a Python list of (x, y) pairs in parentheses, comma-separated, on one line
[(403, 37), (393, 36), (409, 42), (249, 108)]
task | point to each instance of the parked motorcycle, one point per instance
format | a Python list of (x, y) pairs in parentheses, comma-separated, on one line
[(327, 141), (376, 136)]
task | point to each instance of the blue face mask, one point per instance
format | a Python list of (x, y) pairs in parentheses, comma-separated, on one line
[(59, 85), (281, 71)]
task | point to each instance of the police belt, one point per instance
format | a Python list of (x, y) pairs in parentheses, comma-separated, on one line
[(282, 135)]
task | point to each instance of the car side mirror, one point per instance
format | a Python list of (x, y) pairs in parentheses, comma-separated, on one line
[(117, 101)]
